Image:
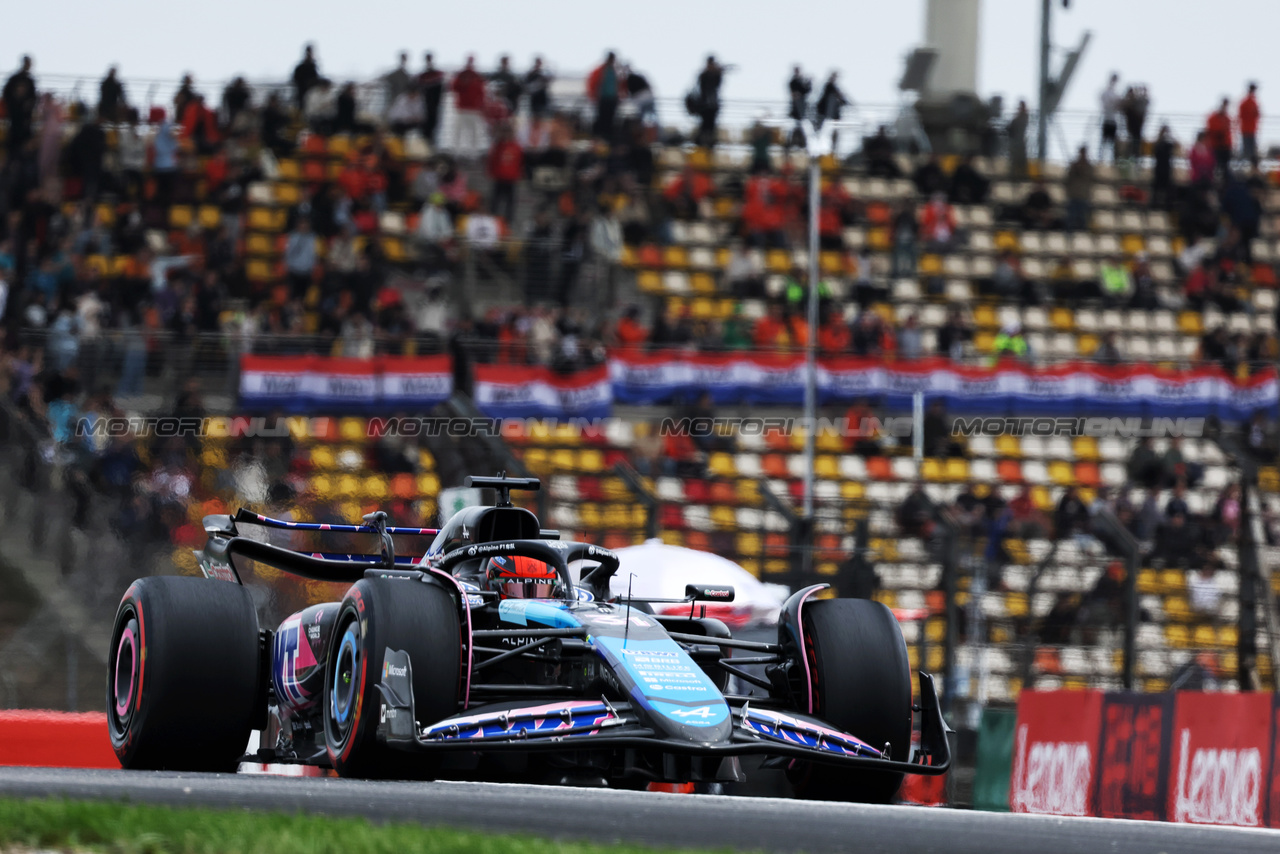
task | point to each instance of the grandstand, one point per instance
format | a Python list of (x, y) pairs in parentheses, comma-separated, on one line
[(231, 210)]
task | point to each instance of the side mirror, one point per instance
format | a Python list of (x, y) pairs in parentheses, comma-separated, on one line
[(708, 593)]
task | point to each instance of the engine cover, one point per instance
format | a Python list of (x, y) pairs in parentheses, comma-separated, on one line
[(298, 656)]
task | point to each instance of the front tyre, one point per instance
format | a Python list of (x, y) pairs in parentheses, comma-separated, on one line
[(183, 680), (862, 685), (379, 614)]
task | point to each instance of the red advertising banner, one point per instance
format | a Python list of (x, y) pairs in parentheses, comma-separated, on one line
[(1221, 750), (1055, 752), (1133, 756), (1273, 800)]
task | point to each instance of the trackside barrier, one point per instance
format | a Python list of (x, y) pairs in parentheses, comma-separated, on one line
[(56, 739), (79, 740), (1192, 757), (993, 768)]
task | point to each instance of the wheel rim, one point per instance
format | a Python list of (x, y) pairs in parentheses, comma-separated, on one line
[(343, 694), (124, 676)]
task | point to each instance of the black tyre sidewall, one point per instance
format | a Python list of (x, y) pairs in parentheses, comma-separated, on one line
[(400, 614), (198, 688), (862, 685)]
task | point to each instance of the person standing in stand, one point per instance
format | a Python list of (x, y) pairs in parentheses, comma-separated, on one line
[(708, 94), (798, 88), (431, 82), (1218, 135), (469, 95), (1249, 115), (537, 84), (603, 86)]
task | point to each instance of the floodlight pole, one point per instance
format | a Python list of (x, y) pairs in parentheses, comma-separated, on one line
[(1042, 111), (811, 345)]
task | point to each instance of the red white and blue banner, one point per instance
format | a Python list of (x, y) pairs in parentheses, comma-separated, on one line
[(317, 383), (1071, 388), (517, 391)]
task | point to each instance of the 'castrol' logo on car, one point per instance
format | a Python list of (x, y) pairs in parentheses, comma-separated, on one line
[(1052, 777), (1218, 786)]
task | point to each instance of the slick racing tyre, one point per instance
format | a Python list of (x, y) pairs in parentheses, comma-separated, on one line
[(379, 614), (183, 683), (862, 685)]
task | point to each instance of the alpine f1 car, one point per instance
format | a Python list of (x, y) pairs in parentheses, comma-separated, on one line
[(486, 658)]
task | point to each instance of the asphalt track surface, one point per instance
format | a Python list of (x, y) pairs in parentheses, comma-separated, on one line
[(693, 821)]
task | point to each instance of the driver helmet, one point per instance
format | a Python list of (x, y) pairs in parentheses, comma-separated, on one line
[(518, 577)]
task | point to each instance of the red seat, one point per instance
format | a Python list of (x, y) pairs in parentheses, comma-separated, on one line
[(698, 541), (1087, 474), (697, 491), (673, 516), (722, 493), (589, 488), (1009, 471), (879, 468)]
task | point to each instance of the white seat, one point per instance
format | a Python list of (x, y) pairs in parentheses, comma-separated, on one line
[(905, 468), (1035, 318), (748, 465), (853, 468)]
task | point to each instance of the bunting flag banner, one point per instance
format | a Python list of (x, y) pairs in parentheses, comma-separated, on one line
[(1008, 389), (317, 383), (517, 391)]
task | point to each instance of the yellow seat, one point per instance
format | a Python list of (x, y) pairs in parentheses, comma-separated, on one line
[(675, 256), (957, 470), (1042, 498), (289, 170), (1062, 319), (1008, 446), (984, 317), (428, 485), (180, 216), (322, 457), (702, 283), (561, 460), (1016, 603), (1148, 581), (1007, 241), (375, 487), (723, 518), (616, 516), (287, 194), (1085, 448), (852, 490), (260, 244), (353, 429), (339, 145), (702, 309), (1204, 637), (1132, 244), (984, 341), (832, 263), (1190, 323), (931, 470), (778, 261), (749, 543), (210, 217), (1086, 344), (535, 459), (721, 465), (1172, 581), (649, 281), (826, 467), (878, 239), (590, 461), (589, 513), (931, 265), (1061, 474), (346, 486)]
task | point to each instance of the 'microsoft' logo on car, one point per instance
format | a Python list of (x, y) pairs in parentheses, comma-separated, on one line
[(388, 668)]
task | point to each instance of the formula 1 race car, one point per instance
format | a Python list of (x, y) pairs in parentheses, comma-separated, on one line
[(486, 659)]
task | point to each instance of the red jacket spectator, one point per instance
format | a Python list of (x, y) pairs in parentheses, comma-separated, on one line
[(468, 89), (1249, 115), (696, 184), (834, 336), (1218, 129), (630, 333), (1201, 161), (765, 209), (938, 221), (506, 161), (593, 81)]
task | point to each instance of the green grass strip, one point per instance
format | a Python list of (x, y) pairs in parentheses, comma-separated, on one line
[(122, 828)]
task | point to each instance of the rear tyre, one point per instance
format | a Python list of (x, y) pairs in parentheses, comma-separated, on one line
[(379, 614), (862, 685), (183, 680)]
